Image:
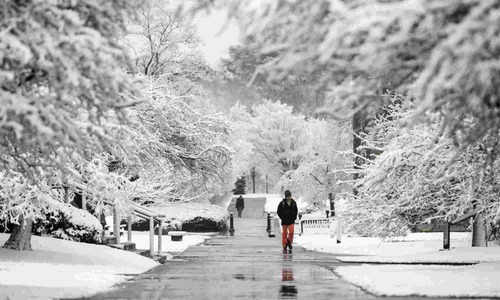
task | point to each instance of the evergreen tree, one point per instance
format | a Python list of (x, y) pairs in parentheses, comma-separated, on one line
[(240, 186)]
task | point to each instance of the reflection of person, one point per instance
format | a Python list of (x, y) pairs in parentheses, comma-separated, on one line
[(287, 211), (287, 290), (240, 205), (286, 274)]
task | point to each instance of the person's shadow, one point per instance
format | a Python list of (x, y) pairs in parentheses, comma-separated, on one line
[(287, 290)]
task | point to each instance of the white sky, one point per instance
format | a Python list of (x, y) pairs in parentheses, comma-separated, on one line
[(217, 35)]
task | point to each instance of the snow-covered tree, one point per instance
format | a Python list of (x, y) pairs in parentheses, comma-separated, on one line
[(444, 53), (278, 137), (182, 144), (72, 119), (241, 124), (419, 172), (159, 41), (189, 157), (267, 138), (300, 92), (60, 80), (162, 44), (321, 173)]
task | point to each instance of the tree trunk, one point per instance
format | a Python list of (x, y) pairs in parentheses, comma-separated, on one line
[(20, 238), (479, 238), (253, 174), (332, 204), (266, 184)]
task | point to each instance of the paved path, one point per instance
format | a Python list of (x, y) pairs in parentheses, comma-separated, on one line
[(248, 265), (254, 207)]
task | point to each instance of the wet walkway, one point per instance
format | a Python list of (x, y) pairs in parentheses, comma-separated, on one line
[(248, 265)]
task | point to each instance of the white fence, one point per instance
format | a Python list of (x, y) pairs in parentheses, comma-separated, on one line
[(329, 226)]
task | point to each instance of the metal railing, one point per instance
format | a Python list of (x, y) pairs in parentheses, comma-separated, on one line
[(136, 209), (447, 225), (146, 214)]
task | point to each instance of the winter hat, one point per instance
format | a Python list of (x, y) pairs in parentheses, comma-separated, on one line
[(287, 193)]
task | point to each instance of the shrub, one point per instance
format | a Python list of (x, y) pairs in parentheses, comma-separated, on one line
[(202, 224), (139, 224), (196, 217), (67, 222)]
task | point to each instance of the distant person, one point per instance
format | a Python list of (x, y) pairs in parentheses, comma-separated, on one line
[(240, 205), (287, 211)]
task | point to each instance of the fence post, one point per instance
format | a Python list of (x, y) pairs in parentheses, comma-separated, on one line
[(339, 230), (231, 224), (151, 235), (268, 222), (446, 236), (129, 228), (160, 236)]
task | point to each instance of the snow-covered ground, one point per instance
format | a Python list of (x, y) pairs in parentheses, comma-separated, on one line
[(417, 271), (141, 240), (59, 268)]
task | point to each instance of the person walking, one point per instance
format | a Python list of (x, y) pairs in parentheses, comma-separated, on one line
[(287, 212), (240, 205)]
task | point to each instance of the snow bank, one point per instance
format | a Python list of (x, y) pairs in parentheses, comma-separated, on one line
[(431, 281), (388, 279), (464, 254), (60, 269), (412, 244)]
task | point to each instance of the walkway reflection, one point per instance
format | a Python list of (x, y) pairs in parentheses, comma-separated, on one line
[(287, 290)]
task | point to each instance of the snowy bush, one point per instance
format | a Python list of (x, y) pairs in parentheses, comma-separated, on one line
[(67, 222), (189, 216)]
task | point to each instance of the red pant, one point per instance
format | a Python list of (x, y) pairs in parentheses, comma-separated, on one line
[(287, 234)]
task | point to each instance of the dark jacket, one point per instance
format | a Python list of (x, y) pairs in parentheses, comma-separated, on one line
[(240, 203), (287, 213)]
